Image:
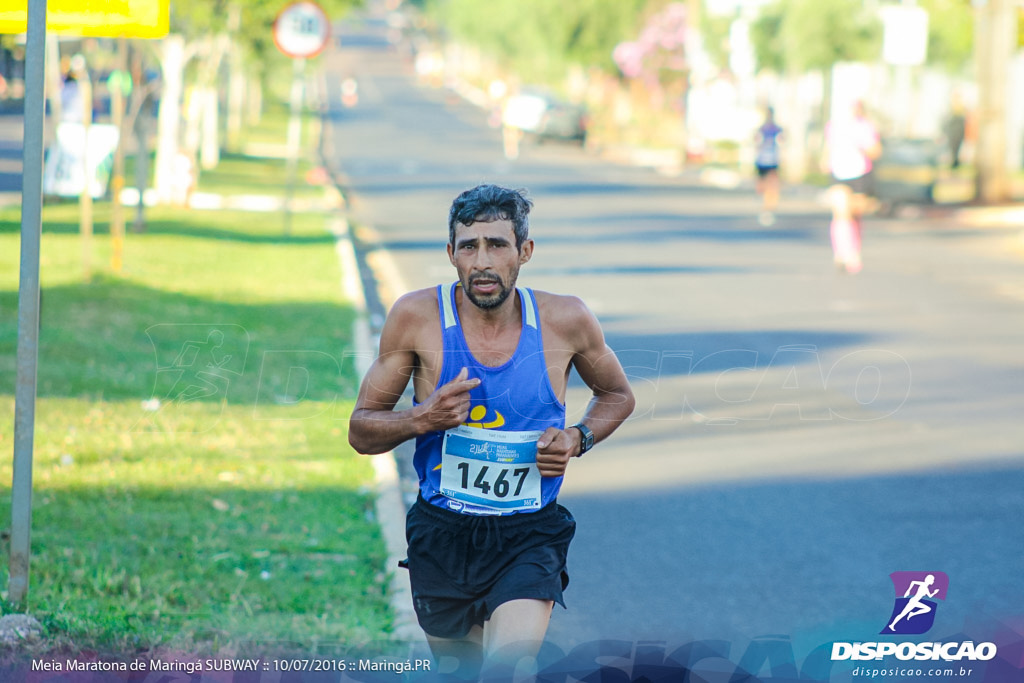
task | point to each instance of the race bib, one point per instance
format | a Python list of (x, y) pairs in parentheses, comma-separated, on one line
[(491, 468)]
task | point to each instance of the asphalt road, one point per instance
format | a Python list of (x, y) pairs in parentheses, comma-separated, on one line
[(800, 433)]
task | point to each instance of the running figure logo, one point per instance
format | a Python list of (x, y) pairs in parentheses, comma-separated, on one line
[(195, 363), (914, 612)]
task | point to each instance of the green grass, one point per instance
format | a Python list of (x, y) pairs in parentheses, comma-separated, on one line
[(273, 125), (236, 174), (193, 487)]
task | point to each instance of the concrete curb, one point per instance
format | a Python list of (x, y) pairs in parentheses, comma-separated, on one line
[(389, 507)]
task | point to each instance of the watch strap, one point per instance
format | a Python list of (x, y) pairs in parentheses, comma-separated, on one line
[(586, 437)]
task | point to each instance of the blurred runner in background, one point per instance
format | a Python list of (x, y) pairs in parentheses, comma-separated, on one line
[(767, 163), (851, 146)]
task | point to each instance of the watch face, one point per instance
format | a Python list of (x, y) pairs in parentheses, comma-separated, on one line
[(586, 438)]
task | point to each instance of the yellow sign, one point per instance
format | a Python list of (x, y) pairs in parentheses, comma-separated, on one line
[(97, 18)]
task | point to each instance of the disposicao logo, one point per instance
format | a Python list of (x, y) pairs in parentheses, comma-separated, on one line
[(914, 610), (913, 613)]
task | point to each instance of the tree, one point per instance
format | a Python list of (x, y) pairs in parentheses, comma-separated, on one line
[(540, 39), (807, 35), (205, 36), (950, 34), (796, 36), (714, 29)]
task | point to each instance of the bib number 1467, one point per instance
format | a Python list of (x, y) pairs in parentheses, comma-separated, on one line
[(496, 470), (502, 483)]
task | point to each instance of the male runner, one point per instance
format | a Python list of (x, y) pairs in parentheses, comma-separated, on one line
[(489, 364)]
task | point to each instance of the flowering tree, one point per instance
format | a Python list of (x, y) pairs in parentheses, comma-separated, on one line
[(658, 56)]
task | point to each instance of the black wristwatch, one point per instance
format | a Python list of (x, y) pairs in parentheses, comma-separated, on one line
[(586, 437)]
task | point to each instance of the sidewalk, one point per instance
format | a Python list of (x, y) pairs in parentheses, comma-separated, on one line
[(668, 163), (998, 216)]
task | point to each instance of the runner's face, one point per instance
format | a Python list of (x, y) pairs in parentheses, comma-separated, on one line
[(486, 258)]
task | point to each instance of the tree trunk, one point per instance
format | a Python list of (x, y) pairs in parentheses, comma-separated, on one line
[(236, 82), (172, 64), (209, 151), (255, 101), (202, 140), (995, 28), (193, 117)]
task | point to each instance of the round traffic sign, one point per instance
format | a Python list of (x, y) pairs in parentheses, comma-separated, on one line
[(301, 29)]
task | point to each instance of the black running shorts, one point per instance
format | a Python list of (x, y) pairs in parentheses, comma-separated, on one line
[(865, 184), (462, 567)]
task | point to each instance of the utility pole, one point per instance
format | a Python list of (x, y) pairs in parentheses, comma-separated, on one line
[(83, 78), (120, 86), (995, 32), (28, 305)]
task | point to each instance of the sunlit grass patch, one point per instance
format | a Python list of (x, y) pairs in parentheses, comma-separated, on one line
[(253, 530), (236, 174), (272, 127), (193, 486)]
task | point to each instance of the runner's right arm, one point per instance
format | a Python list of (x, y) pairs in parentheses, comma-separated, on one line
[(375, 425)]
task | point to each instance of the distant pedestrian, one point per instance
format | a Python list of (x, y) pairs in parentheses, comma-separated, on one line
[(75, 91), (851, 147), (955, 130), (71, 106), (767, 164), (511, 126)]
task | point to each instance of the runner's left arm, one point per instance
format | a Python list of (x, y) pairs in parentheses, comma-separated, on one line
[(612, 401)]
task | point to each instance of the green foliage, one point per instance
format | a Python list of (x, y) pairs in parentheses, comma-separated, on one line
[(255, 34), (540, 39), (804, 35), (950, 33), (715, 32), (766, 36)]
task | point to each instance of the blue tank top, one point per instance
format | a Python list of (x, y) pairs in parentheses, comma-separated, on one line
[(768, 145), (487, 466)]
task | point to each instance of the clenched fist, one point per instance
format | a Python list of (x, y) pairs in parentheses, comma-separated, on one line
[(448, 406), (554, 448)]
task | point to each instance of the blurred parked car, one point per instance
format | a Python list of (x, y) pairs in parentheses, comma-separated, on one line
[(546, 117), (907, 172)]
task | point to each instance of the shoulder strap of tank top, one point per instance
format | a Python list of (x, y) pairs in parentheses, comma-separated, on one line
[(444, 299), (448, 319), (529, 306)]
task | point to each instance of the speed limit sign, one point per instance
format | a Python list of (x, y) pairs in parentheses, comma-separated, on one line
[(301, 30)]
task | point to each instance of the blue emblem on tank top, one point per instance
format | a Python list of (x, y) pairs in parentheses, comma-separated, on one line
[(487, 466)]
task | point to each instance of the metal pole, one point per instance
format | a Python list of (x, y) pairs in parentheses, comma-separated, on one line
[(28, 302), (117, 105), (294, 136), (141, 131), (85, 221)]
